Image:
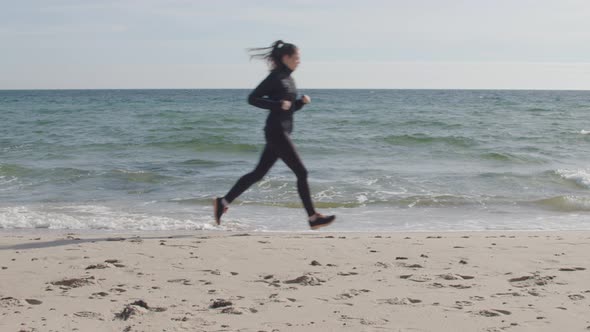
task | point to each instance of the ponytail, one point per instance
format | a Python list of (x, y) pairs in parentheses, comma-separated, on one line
[(274, 53)]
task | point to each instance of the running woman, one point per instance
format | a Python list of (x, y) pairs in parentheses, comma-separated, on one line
[(278, 94)]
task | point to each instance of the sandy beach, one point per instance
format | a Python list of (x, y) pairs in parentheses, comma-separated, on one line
[(317, 281)]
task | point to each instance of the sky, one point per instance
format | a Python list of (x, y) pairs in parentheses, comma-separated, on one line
[(369, 44)]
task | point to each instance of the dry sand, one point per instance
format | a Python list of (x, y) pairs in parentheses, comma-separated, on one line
[(214, 281)]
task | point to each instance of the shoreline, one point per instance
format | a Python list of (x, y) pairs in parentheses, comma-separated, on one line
[(298, 281)]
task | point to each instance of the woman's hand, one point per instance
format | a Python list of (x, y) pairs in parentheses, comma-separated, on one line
[(305, 99), (285, 105)]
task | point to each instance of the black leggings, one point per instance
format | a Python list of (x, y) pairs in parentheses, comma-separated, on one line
[(278, 145)]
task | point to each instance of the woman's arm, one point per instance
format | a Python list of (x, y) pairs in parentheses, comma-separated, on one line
[(302, 101), (259, 97)]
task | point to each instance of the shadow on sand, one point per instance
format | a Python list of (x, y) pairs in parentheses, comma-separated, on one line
[(75, 240)]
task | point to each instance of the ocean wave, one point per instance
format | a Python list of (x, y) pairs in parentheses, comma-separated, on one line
[(566, 203), (435, 201), (17, 147), (294, 204), (208, 145), (363, 200), (60, 175), (430, 123), (536, 109), (92, 217), (10, 170), (319, 205), (421, 139), (580, 177), (201, 163), (508, 157), (7, 182), (137, 176), (585, 132)]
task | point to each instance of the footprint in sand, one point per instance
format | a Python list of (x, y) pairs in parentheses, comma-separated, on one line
[(97, 267), (185, 282), (74, 282), (530, 281), (115, 262), (572, 269), (503, 312), (345, 274), (231, 310), (451, 276), (220, 303), (398, 301), (350, 294), (493, 312), (87, 314), (576, 297), (460, 286), (508, 294), (269, 279), (487, 313), (382, 265), (464, 303), (9, 301), (306, 280), (137, 308), (226, 305), (416, 278), (118, 290)]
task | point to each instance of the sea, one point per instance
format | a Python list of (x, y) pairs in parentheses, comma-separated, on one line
[(381, 160)]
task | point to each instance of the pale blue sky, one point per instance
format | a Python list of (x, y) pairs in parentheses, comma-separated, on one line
[(495, 44)]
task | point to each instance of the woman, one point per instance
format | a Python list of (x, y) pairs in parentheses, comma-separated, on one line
[(278, 94)]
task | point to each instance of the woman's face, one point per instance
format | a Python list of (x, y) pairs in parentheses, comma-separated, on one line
[(292, 61)]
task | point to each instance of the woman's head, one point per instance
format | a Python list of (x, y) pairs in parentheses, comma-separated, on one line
[(279, 54)]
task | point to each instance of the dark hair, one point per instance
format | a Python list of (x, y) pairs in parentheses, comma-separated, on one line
[(274, 53)]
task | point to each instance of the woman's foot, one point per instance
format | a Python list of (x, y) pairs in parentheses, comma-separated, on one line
[(319, 220), (218, 209)]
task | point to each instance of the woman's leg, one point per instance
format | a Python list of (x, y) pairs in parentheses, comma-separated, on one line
[(267, 159), (284, 148)]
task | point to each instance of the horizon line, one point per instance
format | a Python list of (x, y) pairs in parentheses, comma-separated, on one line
[(460, 89)]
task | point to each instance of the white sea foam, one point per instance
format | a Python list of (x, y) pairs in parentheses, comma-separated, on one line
[(6, 180), (328, 194), (584, 132), (95, 217), (362, 198), (580, 176)]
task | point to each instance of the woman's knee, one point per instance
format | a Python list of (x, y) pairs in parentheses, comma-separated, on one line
[(301, 173), (255, 175)]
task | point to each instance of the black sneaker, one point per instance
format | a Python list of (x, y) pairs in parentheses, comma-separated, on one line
[(321, 221), (218, 209)]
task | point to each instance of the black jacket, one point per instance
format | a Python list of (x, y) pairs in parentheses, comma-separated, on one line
[(277, 86)]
